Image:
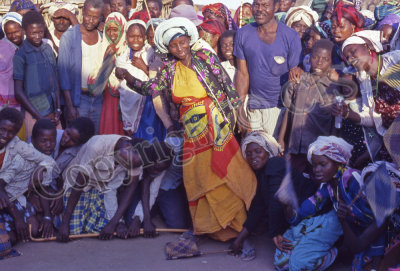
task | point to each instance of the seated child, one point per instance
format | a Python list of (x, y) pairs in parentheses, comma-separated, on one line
[(21, 166), (308, 104), (105, 165), (309, 243), (36, 83), (226, 48), (63, 146)]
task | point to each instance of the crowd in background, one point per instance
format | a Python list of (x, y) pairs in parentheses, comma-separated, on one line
[(280, 116)]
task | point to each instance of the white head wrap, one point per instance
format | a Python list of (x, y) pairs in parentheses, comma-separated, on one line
[(170, 28), (374, 36), (53, 7), (299, 13), (333, 147), (136, 21), (267, 142), (11, 16)]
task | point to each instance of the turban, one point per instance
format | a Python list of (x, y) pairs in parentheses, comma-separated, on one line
[(350, 13), (53, 7), (299, 13), (369, 37), (333, 147), (213, 27), (19, 5), (174, 28), (264, 140)]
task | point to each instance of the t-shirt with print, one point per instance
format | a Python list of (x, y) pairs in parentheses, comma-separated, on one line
[(268, 64)]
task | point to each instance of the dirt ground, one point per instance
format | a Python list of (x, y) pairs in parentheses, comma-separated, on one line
[(137, 254)]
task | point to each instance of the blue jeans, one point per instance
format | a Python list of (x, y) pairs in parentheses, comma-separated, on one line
[(174, 207), (90, 107), (172, 204)]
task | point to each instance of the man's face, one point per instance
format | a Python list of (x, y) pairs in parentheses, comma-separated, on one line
[(91, 18), (263, 11), (61, 23), (119, 6)]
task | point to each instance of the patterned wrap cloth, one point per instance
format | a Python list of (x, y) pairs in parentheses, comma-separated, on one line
[(332, 147)]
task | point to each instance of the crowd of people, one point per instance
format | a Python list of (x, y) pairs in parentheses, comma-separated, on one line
[(279, 117)]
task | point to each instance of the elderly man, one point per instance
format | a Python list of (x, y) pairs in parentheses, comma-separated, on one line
[(63, 16), (265, 51), (79, 52)]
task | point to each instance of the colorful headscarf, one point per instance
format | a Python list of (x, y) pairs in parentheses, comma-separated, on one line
[(350, 13), (221, 10), (172, 29), (245, 21), (299, 13), (370, 37), (105, 72), (19, 5), (14, 17), (213, 27), (267, 142), (140, 15), (333, 147), (381, 11)]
